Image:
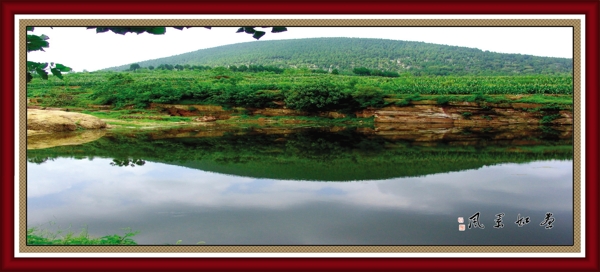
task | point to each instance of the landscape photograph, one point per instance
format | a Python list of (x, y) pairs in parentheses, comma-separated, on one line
[(279, 136)]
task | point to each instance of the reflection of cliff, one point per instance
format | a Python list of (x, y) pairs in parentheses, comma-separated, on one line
[(418, 134), (40, 141), (330, 154)]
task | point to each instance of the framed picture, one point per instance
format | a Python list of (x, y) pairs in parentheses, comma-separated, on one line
[(214, 136)]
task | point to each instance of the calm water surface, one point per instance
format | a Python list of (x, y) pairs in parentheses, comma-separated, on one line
[(228, 199)]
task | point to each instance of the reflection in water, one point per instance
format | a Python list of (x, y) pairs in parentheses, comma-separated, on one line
[(215, 189), (322, 155), (127, 162)]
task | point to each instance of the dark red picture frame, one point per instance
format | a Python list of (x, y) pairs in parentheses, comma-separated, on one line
[(589, 8)]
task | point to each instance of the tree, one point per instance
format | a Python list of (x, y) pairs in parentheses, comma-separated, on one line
[(150, 67), (38, 43), (362, 71), (134, 67)]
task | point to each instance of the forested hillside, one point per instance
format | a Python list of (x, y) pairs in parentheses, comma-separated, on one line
[(346, 54)]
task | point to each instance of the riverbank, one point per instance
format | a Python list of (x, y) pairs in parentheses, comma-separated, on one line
[(458, 111)]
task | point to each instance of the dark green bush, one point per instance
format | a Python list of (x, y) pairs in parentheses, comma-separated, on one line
[(368, 96), (318, 96)]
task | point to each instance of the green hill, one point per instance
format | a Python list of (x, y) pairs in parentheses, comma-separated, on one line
[(345, 54)]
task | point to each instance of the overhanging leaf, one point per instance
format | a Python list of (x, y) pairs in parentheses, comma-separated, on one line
[(249, 30), (258, 34), (118, 30), (241, 29), (62, 68), (29, 28), (35, 43), (42, 73), (157, 30), (56, 73), (32, 65)]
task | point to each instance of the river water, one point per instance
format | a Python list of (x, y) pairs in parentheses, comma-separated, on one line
[(309, 187)]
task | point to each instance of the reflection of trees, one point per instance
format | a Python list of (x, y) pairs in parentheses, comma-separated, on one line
[(311, 154), (127, 162), (39, 160)]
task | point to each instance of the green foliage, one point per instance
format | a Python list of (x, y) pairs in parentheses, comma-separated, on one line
[(134, 67), (37, 43), (59, 98), (368, 96), (137, 30), (442, 100), (258, 34), (467, 114), (408, 99), (361, 71), (118, 91), (36, 236), (222, 86), (41, 69), (318, 96), (477, 97)]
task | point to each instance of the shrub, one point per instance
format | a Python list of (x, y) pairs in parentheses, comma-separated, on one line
[(368, 96), (319, 96)]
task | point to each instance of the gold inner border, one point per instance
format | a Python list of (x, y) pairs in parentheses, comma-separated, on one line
[(574, 23)]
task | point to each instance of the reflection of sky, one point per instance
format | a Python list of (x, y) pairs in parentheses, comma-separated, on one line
[(165, 201)]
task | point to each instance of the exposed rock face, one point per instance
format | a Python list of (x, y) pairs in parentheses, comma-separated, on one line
[(195, 110), (58, 121), (417, 134), (206, 119), (467, 114), (425, 111)]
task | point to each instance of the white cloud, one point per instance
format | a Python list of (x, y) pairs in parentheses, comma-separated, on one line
[(95, 187)]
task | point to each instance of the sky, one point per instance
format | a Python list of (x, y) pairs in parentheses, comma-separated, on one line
[(84, 49)]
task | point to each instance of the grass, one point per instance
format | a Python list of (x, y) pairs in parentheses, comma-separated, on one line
[(36, 236), (563, 100), (39, 237), (138, 118)]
